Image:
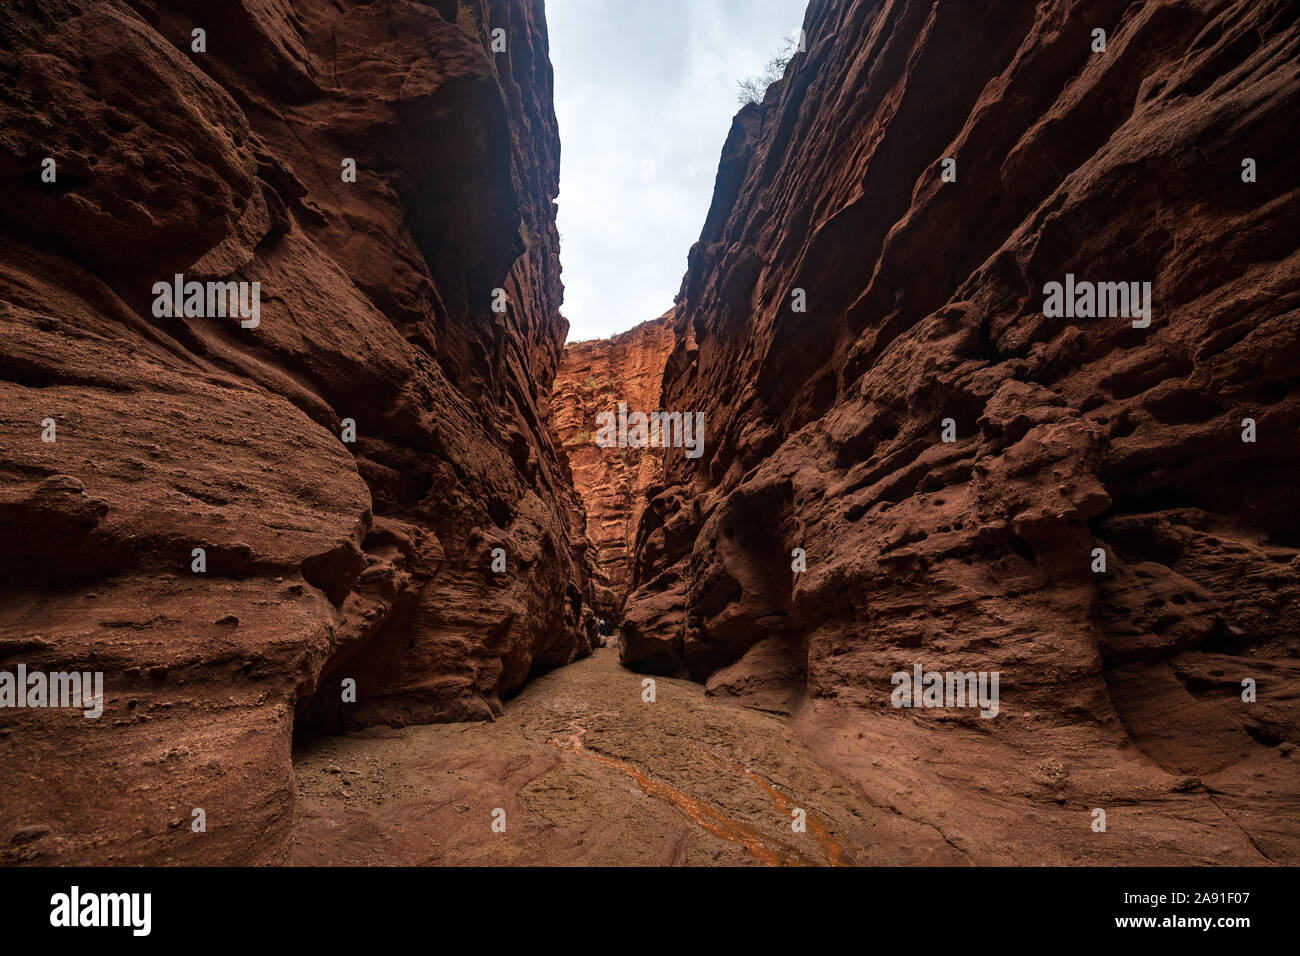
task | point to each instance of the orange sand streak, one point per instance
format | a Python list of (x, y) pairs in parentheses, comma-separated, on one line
[(699, 812), (834, 850)]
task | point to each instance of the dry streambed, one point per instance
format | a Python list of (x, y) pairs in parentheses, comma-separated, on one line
[(587, 772)]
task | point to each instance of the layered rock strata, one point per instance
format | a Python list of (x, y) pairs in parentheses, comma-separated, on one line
[(594, 378)]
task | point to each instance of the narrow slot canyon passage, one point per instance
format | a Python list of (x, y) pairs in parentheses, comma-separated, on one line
[(935, 505), (588, 770), (905, 471)]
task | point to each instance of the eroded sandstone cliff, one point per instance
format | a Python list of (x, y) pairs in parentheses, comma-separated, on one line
[(593, 379), (222, 155), (1070, 439)]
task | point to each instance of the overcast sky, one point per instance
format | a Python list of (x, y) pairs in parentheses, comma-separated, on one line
[(639, 83)]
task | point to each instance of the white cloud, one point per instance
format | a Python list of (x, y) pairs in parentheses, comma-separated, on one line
[(638, 81)]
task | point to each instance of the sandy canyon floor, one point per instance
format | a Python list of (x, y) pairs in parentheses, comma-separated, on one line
[(589, 773)]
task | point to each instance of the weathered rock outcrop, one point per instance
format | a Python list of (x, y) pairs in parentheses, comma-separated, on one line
[(955, 463), (594, 377), (175, 440)]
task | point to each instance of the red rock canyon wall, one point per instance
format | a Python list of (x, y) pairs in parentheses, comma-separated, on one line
[(955, 462), (594, 377), (325, 559)]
